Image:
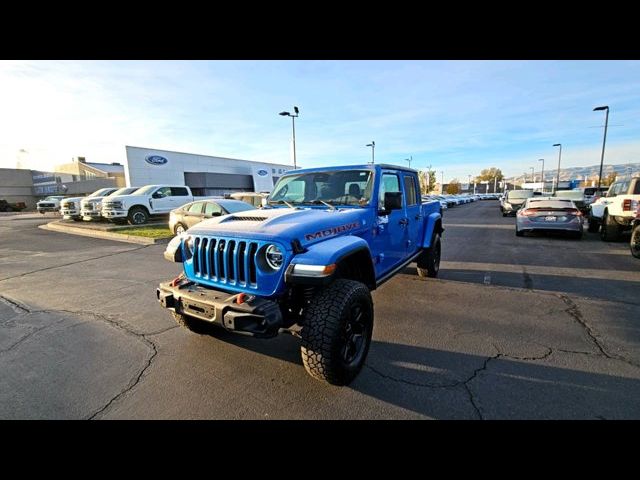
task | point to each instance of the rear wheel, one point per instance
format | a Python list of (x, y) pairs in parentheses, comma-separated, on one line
[(635, 241), (429, 260), (610, 230), (336, 332)]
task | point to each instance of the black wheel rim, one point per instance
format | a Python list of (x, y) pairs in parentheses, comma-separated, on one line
[(355, 333), (138, 217)]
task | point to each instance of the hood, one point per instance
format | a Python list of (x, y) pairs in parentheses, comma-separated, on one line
[(71, 199), (309, 225), (92, 199), (122, 198)]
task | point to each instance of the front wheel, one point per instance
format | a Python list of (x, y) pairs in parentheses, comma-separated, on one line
[(138, 216), (336, 332), (634, 245), (429, 260), (179, 229)]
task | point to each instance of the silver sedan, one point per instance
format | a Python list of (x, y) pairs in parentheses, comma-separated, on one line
[(549, 214)]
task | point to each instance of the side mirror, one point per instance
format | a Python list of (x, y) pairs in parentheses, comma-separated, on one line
[(392, 201), (216, 214), (156, 195)]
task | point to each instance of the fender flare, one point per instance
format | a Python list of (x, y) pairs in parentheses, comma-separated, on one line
[(434, 225)]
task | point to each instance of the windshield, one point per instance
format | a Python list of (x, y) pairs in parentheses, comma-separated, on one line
[(144, 190), (100, 193), (340, 187), (513, 194), (54, 198), (123, 191), (550, 204)]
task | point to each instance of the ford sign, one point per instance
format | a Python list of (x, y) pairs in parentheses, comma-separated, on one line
[(155, 160), (262, 173)]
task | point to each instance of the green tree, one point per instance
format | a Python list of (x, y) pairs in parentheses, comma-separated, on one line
[(427, 180), (454, 186), (609, 179), (488, 174)]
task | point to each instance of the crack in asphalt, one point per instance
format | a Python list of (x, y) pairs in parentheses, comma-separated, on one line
[(15, 306), (464, 383), (74, 263), (574, 312)]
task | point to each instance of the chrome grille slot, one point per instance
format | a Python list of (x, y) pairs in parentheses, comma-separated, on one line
[(231, 261), (239, 259), (251, 260), (203, 257), (196, 256)]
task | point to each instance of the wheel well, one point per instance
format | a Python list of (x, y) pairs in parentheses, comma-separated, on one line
[(357, 266), (140, 206), (438, 227)]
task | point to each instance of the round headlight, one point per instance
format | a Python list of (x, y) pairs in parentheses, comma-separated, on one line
[(189, 244), (274, 256)]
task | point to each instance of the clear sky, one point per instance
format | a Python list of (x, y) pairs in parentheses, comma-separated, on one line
[(457, 116)]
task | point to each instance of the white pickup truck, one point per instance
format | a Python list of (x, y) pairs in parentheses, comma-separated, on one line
[(70, 208), (614, 213), (91, 206), (149, 200), (49, 204)]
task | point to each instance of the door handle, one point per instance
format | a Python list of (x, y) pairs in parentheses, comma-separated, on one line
[(418, 216), (404, 221)]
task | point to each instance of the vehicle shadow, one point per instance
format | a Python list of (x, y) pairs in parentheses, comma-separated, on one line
[(434, 383)]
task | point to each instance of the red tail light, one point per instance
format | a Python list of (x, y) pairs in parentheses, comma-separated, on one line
[(574, 211), (526, 213), (626, 205)]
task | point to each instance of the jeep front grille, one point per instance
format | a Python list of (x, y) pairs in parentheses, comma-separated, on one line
[(232, 262)]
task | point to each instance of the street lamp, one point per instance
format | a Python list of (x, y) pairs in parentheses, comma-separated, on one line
[(442, 182), (604, 140), (373, 150), (533, 176), (558, 175), (542, 174), (293, 121), (410, 159)]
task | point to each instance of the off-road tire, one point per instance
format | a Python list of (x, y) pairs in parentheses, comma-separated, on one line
[(594, 225), (138, 216), (192, 324), (328, 321), (610, 230), (428, 263), (634, 244)]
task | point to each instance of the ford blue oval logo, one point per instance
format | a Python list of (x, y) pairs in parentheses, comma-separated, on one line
[(263, 173), (155, 160)]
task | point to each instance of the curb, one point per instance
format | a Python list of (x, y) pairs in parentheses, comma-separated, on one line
[(56, 227)]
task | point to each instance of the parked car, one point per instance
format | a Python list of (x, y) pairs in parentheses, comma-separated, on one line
[(185, 217), (49, 204), (137, 207), (91, 206), (613, 214), (11, 207), (634, 244), (70, 208), (591, 194), (307, 263), (513, 200), (549, 214)]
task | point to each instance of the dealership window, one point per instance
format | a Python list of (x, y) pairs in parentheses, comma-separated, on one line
[(179, 192), (273, 171)]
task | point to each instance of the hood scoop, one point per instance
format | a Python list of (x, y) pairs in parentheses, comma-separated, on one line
[(246, 218)]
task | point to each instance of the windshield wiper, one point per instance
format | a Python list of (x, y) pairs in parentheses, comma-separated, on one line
[(318, 201), (280, 202)]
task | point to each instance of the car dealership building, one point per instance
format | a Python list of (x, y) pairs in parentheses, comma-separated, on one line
[(204, 174)]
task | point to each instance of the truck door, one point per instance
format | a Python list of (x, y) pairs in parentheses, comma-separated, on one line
[(161, 200), (179, 196), (414, 221), (389, 241)]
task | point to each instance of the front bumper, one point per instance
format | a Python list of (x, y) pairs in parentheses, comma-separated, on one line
[(48, 209), (70, 213), (90, 213), (114, 213), (256, 316)]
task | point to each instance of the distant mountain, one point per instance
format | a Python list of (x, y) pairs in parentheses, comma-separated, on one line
[(585, 173)]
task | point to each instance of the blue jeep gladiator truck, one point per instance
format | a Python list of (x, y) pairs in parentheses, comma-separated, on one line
[(306, 263)]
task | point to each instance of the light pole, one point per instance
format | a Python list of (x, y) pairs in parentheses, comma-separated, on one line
[(533, 175), (558, 175), (542, 174), (410, 159), (469, 183), (293, 122), (604, 140), (373, 149), (441, 182)]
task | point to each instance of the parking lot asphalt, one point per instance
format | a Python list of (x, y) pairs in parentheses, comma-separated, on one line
[(514, 328)]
